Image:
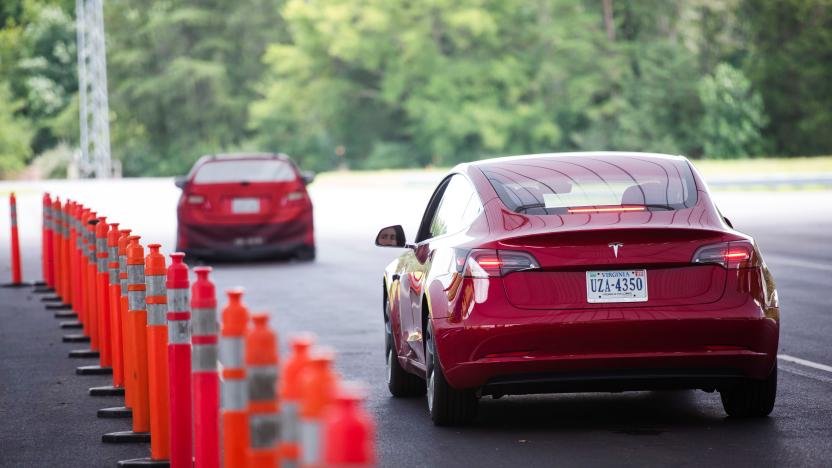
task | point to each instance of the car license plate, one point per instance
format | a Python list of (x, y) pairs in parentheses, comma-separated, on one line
[(616, 286), (245, 205)]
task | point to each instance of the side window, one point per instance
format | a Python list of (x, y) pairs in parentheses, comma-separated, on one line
[(458, 207)]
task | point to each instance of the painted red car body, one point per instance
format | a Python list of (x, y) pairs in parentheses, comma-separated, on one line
[(279, 220), (534, 331)]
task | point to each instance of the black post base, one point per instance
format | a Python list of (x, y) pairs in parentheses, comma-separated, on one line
[(16, 285), (59, 307), (50, 299), (93, 370), (75, 339), (117, 412), (72, 324), (38, 284), (126, 437), (143, 462), (107, 390), (65, 315), (83, 353), (42, 289)]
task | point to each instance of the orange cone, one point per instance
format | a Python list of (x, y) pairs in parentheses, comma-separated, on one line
[(319, 383), (349, 431), (290, 399), (263, 405), (234, 387)]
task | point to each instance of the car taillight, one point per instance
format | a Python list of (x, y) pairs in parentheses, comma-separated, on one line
[(484, 263), (735, 254), (196, 199)]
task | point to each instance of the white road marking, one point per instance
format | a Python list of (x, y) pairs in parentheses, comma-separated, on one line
[(798, 263), (804, 362)]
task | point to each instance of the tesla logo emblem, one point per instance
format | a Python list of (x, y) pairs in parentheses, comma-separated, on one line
[(615, 246)]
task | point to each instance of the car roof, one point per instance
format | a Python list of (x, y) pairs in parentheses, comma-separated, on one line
[(532, 157), (237, 156)]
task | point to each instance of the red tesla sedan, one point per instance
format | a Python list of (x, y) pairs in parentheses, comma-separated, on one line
[(245, 206), (577, 272)]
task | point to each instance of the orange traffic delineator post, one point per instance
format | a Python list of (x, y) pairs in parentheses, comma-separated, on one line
[(98, 336), (157, 352), (46, 242), (234, 385), (179, 363), (263, 404), (102, 290), (349, 431), (79, 269), (206, 380), (17, 275), (60, 235), (107, 253), (319, 382), (56, 245), (126, 347), (88, 279), (290, 398), (137, 318), (70, 255)]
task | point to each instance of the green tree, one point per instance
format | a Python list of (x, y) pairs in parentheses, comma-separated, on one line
[(734, 116), (15, 134)]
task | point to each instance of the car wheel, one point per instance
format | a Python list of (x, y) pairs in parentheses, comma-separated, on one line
[(401, 383), (447, 405), (305, 253), (751, 398)]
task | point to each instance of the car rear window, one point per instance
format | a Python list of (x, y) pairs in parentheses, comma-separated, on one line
[(245, 170), (563, 184)]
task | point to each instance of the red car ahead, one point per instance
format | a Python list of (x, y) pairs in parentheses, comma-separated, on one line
[(577, 272), (245, 206)]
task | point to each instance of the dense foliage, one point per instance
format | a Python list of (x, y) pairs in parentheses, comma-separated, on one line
[(399, 83)]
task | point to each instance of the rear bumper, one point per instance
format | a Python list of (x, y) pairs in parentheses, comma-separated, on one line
[(605, 350), (246, 241)]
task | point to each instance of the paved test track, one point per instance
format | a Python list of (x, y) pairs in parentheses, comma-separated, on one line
[(338, 298)]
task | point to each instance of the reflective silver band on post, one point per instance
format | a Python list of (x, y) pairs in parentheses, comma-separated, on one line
[(178, 300), (135, 274), (157, 314), (204, 358), (113, 259), (136, 300), (179, 330), (156, 285), (47, 216), (122, 268), (204, 322), (232, 352), (262, 382), (234, 394), (289, 424), (264, 429)]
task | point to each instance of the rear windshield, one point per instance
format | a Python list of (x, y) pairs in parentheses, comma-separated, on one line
[(564, 184), (245, 170)]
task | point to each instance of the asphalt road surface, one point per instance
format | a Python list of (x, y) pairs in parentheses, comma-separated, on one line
[(338, 297)]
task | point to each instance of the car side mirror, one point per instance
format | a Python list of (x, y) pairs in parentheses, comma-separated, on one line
[(180, 181), (307, 177), (391, 236)]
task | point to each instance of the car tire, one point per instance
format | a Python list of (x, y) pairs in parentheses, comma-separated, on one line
[(447, 405), (305, 253), (751, 398), (401, 383)]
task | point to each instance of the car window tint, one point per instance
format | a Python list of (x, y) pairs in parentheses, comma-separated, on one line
[(552, 185), (453, 212), (245, 170)]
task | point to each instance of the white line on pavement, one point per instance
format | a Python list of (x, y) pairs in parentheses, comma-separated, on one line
[(804, 362)]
